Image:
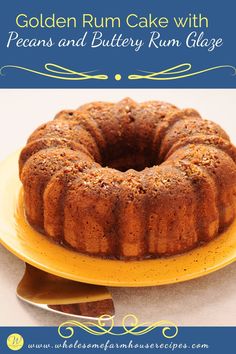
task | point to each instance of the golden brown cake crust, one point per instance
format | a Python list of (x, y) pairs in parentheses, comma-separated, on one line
[(129, 181)]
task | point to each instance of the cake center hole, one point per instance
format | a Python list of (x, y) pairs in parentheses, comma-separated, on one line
[(129, 159)]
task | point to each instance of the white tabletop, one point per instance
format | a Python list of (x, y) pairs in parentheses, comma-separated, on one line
[(207, 301)]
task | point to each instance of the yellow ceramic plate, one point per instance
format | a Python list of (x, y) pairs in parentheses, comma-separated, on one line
[(32, 247)]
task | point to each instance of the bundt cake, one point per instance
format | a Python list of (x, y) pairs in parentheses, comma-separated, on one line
[(129, 180)]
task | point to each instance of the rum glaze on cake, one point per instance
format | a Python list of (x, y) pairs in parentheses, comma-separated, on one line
[(129, 180)]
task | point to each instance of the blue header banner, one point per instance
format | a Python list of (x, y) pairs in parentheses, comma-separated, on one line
[(117, 44)]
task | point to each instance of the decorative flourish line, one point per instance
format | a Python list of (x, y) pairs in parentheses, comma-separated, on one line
[(62, 72), (169, 329), (175, 72)]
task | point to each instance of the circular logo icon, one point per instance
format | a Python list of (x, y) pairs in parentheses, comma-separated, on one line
[(15, 341)]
